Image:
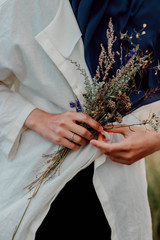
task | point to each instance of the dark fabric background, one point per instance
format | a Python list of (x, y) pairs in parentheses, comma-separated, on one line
[(76, 213)]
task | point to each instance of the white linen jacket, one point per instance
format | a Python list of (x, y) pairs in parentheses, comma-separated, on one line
[(37, 39)]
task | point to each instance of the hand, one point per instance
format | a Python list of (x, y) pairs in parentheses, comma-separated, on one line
[(137, 144), (58, 128)]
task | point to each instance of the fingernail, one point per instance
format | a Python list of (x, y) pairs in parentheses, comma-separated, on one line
[(100, 128), (92, 142)]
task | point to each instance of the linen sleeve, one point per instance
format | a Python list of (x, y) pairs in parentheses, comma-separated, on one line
[(14, 110)]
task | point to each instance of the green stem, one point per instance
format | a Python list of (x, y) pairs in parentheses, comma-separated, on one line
[(17, 227), (129, 126)]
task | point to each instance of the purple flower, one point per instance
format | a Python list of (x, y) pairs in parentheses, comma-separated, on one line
[(130, 54), (78, 109), (78, 106), (78, 103), (72, 104)]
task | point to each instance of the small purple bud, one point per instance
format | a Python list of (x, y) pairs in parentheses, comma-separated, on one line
[(79, 109), (130, 54), (72, 104), (78, 103)]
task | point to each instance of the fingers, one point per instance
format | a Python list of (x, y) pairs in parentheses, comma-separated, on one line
[(81, 131), (71, 121), (58, 128), (76, 138), (119, 128), (71, 145), (137, 144), (62, 141), (68, 139), (84, 118), (101, 137), (105, 147), (117, 152)]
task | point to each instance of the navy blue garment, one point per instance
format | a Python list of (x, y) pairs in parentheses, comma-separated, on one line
[(127, 15)]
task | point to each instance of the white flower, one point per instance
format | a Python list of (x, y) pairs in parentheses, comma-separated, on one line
[(144, 25)]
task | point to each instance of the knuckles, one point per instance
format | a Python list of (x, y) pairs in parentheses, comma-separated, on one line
[(78, 140), (84, 132), (130, 158), (58, 140), (69, 113), (62, 123), (59, 131), (85, 117)]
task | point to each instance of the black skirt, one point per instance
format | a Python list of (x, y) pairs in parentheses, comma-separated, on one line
[(76, 212)]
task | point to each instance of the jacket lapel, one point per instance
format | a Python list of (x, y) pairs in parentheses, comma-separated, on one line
[(61, 40)]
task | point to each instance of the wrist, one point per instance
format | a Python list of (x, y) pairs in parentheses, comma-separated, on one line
[(30, 121)]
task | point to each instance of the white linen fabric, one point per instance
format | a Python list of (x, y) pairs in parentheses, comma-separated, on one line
[(37, 39)]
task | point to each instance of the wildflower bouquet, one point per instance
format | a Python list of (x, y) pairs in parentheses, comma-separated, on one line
[(106, 97)]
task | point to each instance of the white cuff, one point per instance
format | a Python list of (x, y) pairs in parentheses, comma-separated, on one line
[(10, 146)]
